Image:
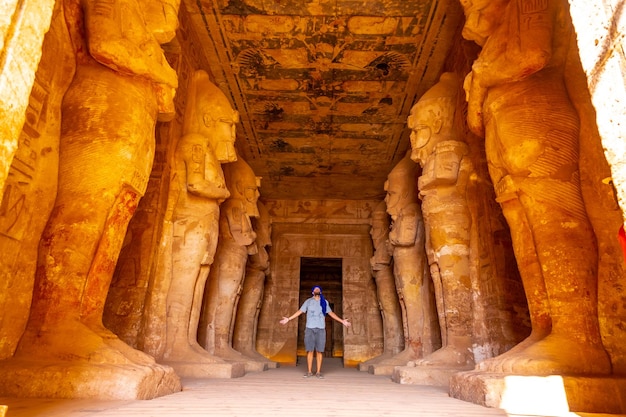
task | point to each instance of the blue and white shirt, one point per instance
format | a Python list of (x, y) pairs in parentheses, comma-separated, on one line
[(314, 317)]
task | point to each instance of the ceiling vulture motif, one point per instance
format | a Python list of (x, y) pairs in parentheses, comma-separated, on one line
[(324, 88)]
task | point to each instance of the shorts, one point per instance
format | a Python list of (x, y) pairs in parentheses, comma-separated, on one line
[(314, 339)]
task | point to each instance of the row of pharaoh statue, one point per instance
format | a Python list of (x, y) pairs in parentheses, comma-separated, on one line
[(121, 86), (424, 250), (518, 102)]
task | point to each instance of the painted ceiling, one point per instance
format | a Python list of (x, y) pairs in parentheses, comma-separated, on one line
[(324, 88)]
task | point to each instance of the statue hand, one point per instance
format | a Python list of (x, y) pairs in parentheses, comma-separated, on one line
[(475, 96)]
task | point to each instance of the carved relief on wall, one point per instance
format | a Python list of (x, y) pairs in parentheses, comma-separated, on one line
[(282, 288), (28, 194), (320, 211)]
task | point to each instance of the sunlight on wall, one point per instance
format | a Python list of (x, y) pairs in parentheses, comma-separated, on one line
[(535, 395)]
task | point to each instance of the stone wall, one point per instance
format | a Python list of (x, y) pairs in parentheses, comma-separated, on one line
[(320, 229), (30, 187)]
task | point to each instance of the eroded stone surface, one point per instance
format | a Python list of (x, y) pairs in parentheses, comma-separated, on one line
[(446, 170), (224, 285), (106, 149), (249, 306), (534, 168)]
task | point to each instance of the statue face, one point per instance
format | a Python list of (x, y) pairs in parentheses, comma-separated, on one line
[(250, 193), (393, 198), (161, 17), (421, 129), (223, 136), (481, 18)]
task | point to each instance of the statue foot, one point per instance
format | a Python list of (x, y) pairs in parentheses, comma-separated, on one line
[(402, 358), (495, 364), (377, 359), (114, 342), (193, 353), (449, 356), (75, 341), (558, 355), (253, 355), (230, 354)]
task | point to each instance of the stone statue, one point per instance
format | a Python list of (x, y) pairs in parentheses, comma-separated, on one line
[(196, 192), (236, 242), (445, 172), (249, 307), (382, 270), (409, 259), (517, 99), (122, 83)]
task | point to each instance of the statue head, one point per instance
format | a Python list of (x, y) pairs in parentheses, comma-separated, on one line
[(263, 226), (380, 223), (380, 234), (243, 185), (209, 113), (481, 18), (432, 117), (161, 17), (401, 186)]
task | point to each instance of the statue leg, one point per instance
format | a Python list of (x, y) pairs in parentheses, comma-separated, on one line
[(80, 247), (408, 271), (228, 286), (566, 250), (187, 286), (454, 302), (533, 281)]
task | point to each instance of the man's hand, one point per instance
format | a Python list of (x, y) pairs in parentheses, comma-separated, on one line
[(346, 323), (284, 320)]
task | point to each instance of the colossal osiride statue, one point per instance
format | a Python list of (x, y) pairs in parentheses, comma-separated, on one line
[(438, 148), (442, 186), (382, 270), (249, 307), (518, 100), (121, 85), (197, 189), (410, 268), (236, 242)]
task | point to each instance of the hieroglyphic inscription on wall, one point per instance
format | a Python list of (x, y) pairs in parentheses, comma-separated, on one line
[(351, 243), (321, 211), (30, 186)]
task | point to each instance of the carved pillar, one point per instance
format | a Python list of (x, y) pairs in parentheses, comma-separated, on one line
[(257, 268), (109, 114), (236, 242)]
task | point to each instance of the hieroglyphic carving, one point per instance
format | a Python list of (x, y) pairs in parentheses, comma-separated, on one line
[(321, 211), (31, 183), (105, 159)]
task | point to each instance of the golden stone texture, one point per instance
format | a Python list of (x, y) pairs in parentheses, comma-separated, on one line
[(81, 162), (108, 116)]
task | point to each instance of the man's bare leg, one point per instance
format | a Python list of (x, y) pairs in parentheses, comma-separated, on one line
[(319, 362), (309, 360)]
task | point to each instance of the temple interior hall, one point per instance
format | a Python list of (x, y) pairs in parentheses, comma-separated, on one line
[(436, 189)]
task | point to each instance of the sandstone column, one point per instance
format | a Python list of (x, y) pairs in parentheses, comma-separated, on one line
[(236, 242), (121, 85), (197, 189), (518, 101), (409, 262), (382, 270), (445, 172), (249, 307)]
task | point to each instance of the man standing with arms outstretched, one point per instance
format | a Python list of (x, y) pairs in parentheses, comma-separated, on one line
[(315, 309)]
